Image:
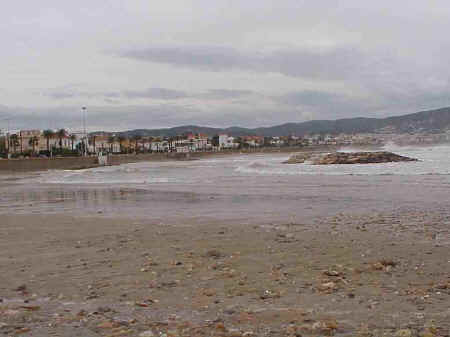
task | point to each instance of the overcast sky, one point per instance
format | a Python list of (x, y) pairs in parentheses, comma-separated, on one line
[(153, 63)]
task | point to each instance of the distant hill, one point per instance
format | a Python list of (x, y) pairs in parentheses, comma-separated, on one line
[(432, 121)]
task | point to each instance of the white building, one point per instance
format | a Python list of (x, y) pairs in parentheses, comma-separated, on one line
[(161, 146), (227, 142)]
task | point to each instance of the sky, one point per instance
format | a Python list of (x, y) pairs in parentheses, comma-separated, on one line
[(152, 64)]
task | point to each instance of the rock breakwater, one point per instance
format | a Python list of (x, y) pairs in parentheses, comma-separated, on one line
[(347, 158)]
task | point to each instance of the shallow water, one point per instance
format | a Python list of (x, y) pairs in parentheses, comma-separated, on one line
[(242, 188)]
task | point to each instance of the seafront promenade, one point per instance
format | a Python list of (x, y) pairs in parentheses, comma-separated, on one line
[(72, 163)]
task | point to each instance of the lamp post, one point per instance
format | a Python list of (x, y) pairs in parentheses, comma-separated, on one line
[(85, 141)]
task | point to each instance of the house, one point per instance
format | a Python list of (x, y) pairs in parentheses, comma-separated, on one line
[(104, 143), (200, 143), (227, 142), (159, 146), (253, 141), (31, 141), (276, 141)]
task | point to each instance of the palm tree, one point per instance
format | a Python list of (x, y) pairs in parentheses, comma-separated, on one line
[(171, 141), (136, 139), (93, 141), (111, 140), (61, 134), (143, 141), (33, 141), (239, 141), (157, 140), (73, 138), (48, 134), (150, 141), (121, 140), (21, 142), (14, 141)]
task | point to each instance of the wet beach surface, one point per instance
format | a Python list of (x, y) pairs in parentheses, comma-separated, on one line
[(242, 200), (202, 249)]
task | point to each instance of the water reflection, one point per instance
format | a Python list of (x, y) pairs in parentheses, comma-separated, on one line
[(87, 200)]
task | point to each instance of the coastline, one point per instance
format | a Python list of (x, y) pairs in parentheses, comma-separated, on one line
[(73, 163)]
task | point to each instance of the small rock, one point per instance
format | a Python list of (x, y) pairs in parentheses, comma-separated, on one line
[(141, 304), (11, 312), (328, 286), (209, 292), (31, 307), (214, 254), (22, 330), (332, 273), (229, 311), (106, 325), (147, 333), (22, 287), (404, 333), (103, 310)]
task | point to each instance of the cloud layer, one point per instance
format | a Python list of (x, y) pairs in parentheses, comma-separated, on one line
[(156, 64)]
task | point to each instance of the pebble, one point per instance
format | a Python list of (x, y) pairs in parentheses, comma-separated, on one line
[(403, 333), (147, 333)]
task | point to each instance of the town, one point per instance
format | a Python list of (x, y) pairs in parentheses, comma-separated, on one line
[(62, 142), (32, 143)]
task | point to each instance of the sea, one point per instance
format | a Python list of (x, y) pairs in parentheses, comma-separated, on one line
[(241, 188)]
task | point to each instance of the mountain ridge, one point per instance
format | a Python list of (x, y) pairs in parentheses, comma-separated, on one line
[(428, 121)]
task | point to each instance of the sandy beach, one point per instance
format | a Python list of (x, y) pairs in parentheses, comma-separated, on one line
[(344, 275), (371, 265)]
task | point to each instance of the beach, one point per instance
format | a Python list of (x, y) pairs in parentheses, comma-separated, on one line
[(238, 246)]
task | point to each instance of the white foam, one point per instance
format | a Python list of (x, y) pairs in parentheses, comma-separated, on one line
[(433, 161)]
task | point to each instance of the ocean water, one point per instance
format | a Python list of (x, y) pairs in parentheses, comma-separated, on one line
[(240, 188), (433, 161)]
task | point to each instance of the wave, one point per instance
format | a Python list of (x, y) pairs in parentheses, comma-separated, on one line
[(110, 181)]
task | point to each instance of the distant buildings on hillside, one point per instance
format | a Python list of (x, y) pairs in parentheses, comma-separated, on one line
[(63, 142)]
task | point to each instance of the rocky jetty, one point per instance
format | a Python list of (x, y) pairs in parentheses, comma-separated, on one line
[(347, 158), (299, 158)]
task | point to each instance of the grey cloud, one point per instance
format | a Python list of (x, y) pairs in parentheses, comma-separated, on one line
[(205, 58), (224, 94), (290, 107), (155, 93), (111, 101), (335, 63), (329, 105), (309, 97), (60, 95), (111, 94), (114, 117), (151, 93)]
